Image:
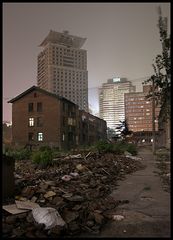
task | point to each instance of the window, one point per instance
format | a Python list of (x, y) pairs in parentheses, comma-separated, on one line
[(31, 122), (39, 107), (39, 121), (40, 136), (30, 107), (30, 136)]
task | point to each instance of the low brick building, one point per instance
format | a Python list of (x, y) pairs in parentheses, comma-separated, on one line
[(43, 118)]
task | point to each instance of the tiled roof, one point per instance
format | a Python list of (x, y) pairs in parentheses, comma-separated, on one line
[(40, 90)]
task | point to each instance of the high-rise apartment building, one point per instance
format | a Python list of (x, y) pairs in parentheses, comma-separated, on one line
[(139, 111), (111, 100), (62, 67)]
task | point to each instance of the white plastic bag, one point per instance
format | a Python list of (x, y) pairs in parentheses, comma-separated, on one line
[(49, 216)]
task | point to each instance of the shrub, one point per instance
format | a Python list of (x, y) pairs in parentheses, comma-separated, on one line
[(118, 148), (45, 148), (131, 148), (19, 154), (103, 146), (42, 158)]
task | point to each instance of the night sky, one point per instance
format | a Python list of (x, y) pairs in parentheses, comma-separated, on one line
[(122, 40)]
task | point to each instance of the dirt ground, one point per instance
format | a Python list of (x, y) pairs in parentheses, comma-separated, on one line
[(148, 212)]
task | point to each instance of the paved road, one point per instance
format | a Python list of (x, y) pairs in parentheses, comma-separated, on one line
[(148, 212)]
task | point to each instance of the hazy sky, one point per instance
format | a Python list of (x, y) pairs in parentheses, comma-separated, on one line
[(122, 40)]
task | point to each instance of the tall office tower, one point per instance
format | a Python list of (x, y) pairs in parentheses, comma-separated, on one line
[(62, 67), (111, 100), (139, 111)]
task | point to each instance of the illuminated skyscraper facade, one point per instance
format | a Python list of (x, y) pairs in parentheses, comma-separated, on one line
[(62, 67), (111, 100)]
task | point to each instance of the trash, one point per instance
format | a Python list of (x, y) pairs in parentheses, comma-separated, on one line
[(48, 216), (133, 157), (66, 178), (73, 157), (33, 199), (81, 167), (87, 154), (127, 153), (13, 209), (67, 195), (49, 194), (105, 171), (74, 174), (82, 202), (26, 204), (118, 217)]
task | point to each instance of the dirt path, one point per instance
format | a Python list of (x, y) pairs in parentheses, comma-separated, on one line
[(148, 212)]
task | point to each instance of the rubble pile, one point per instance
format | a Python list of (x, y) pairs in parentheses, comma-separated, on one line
[(75, 190)]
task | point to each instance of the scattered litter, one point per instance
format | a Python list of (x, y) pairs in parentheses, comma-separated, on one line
[(12, 208), (81, 167), (26, 204), (82, 202), (66, 178), (87, 154), (73, 157), (33, 199), (48, 216), (74, 174), (49, 194), (105, 171), (133, 157), (127, 153), (118, 217)]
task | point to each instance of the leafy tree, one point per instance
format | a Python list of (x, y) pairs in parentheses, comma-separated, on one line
[(162, 70)]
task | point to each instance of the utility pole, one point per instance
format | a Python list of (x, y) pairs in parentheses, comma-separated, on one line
[(153, 118)]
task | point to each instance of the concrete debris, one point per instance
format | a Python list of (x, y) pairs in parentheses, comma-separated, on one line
[(49, 194), (68, 198), (118, 217), (12, 208), (26, 205)]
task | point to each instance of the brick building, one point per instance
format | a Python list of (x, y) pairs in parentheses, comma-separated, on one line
[(43, 118), (138, 111)]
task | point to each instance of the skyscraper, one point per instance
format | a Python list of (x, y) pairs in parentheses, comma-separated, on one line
[(111, 100), (62, 67), (139, 111)]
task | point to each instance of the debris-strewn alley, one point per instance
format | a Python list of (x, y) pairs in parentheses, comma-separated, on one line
[(87, 194), (147, 214)]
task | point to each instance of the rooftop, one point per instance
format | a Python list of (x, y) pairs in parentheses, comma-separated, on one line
[(63, 38)]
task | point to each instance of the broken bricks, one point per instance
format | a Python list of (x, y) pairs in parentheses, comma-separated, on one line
[(82, 202)]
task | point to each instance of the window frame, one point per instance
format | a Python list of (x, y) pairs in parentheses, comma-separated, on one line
[(31, 122), (40, 137)]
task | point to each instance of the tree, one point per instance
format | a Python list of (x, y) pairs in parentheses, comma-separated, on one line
[(123, 128), (162, 70)]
